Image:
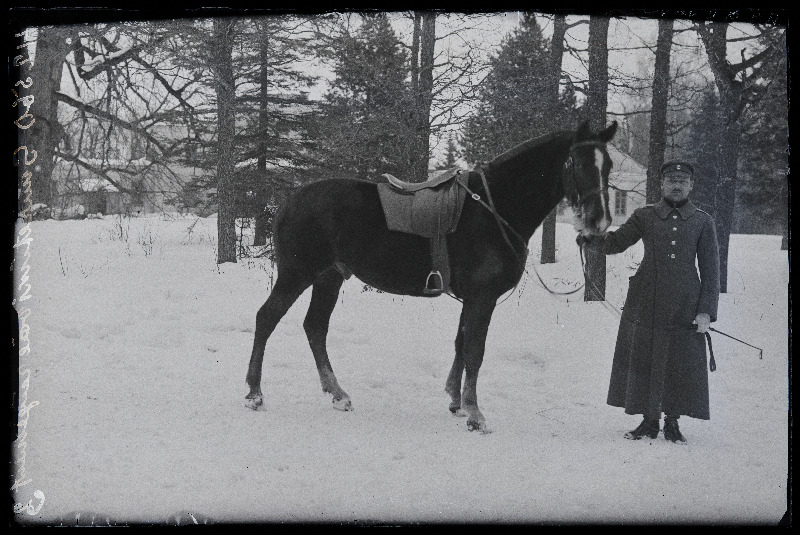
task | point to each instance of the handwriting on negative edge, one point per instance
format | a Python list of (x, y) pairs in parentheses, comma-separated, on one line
[(25, 121)]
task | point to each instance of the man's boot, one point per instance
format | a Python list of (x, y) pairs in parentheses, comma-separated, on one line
[(671, 430), (648, 428)]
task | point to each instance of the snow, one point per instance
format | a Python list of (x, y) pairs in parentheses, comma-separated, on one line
[(139, 345)]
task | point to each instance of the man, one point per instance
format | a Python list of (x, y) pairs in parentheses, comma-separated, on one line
[(660, 356)]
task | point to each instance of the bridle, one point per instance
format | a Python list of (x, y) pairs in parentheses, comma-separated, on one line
[(570, 185), (569, 172)]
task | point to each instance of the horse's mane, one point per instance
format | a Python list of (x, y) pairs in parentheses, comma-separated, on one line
[(524, 147)]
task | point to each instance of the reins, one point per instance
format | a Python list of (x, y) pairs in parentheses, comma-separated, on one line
[(569, 171), (501, 223)]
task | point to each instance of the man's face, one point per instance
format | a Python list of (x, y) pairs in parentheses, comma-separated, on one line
[(676, 186)]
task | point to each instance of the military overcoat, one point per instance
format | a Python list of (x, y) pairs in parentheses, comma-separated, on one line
[(659, 359)]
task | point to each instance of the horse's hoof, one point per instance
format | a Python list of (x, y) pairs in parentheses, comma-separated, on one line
[(458, 411), (254, 403), (478, 425), (343, 404)]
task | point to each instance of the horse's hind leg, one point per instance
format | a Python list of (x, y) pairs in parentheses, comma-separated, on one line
[(323, 301), (285, 292)]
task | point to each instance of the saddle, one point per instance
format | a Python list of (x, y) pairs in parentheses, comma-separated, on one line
[(429, 209)]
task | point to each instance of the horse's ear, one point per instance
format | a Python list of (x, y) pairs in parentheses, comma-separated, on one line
[(584, 130), (606, 135)]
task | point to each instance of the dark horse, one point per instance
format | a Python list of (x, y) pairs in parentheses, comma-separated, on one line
[(331, 227)]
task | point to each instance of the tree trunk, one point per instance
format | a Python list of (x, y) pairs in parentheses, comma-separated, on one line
[(731, 94), (415, 52), (261, 228), (726, 193), (785, 221), (423, 98), (596, 103), (553, 80), (224, 85), (658, 113), (549, 238), (46, 132)]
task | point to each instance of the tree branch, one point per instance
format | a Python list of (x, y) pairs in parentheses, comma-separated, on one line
[(105, 115)]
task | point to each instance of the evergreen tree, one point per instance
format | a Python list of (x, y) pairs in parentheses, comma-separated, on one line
[(702, 149), (365, 128), (452, 152), (513, 102), (763, 187)]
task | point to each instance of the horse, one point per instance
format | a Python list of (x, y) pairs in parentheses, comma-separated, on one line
[(332, 228)]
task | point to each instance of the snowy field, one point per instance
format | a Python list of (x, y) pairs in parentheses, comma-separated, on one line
[(139, 345)]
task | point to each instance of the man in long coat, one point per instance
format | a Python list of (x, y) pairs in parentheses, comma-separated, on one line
[(660, 356)]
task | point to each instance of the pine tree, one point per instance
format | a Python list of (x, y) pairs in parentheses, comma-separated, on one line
[(702, 149), (762, 190), (365, 130), (513, 104)]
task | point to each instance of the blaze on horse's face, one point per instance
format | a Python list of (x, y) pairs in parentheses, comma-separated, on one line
[(586, 179)]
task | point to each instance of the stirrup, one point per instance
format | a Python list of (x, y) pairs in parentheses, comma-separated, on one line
[(431, 288)]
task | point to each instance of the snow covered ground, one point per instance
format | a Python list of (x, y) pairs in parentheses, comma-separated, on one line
[(139, 345)]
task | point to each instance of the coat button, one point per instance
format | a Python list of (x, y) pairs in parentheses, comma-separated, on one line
[(673, 242), (674, 228), (674, 217), (672, 255)]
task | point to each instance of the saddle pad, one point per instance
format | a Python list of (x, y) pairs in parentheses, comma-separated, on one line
[(428, 212)]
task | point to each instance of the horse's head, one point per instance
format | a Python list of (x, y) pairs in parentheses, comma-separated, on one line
[(586, 179)]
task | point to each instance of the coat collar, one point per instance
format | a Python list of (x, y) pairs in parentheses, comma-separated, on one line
[(685, 211)]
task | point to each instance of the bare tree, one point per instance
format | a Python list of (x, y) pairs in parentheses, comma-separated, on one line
[(658, 111), (261, 231), (459, 66), (221, 62), (422, 91), (103, 97), (554, 81), (45, 132), (597, 103), (739, 85)]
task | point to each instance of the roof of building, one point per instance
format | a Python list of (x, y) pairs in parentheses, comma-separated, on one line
[(626, 170)]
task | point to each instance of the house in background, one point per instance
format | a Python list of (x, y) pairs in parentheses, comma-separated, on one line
[(626, 192), (144, 188), (120, 176)]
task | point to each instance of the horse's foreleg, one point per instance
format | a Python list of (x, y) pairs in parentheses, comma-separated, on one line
[(477, 315), (283, 295), (453, 384), (323, 301)]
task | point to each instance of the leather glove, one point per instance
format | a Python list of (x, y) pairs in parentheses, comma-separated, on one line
[(703, 322), (582, 239)]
